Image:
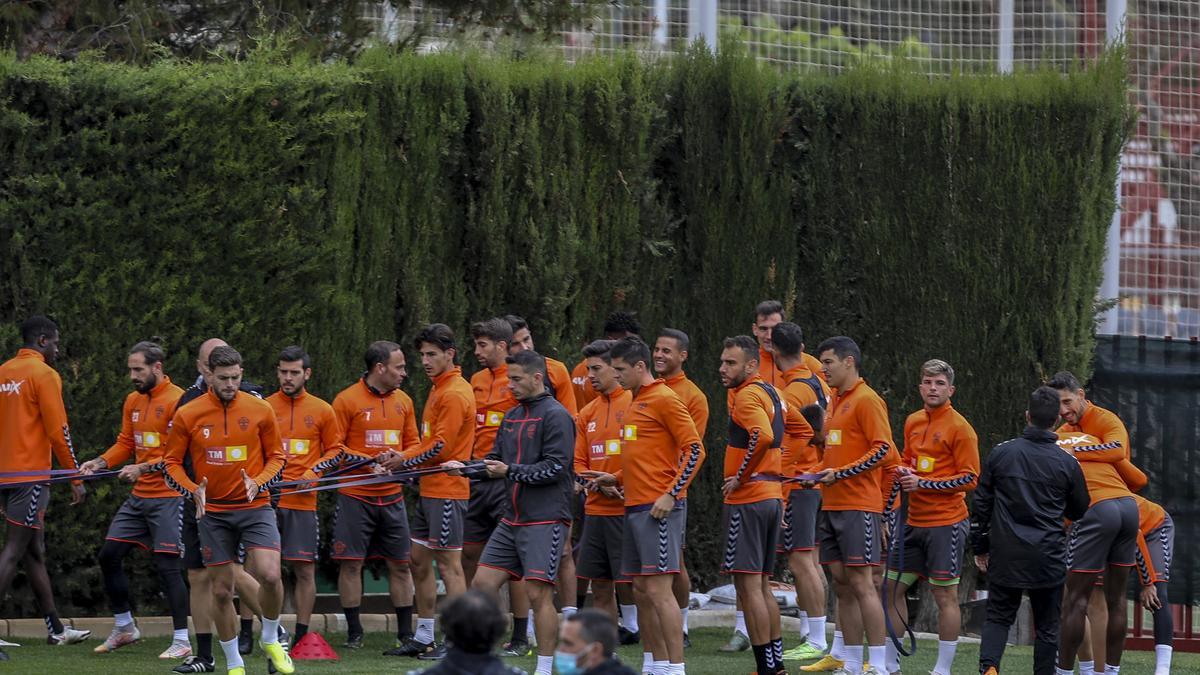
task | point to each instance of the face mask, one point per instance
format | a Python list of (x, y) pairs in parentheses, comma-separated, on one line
[(566, 663)]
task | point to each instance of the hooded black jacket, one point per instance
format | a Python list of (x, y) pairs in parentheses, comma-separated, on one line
[(537, 442), (1027, 487)]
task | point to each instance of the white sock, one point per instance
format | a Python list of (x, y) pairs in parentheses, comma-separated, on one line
[(660, 668), (629, 618), (1162, 659), (180, 636), (1110, 669), (878, 656), (647, 662), (804, 627), (123, 619), (675, 669), (1087, 667), (683, 615), (945, 656), (816, 632), (530, 635), (568, 612), (1062, 671), (853, 658), (545, 665), (424, 630), (839, 646), (891, 657), (740, 625), (270, 630), (232, 658)]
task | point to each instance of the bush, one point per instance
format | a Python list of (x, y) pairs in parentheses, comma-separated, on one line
[(331, 205)]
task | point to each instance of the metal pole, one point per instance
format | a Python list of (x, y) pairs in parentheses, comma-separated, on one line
[(1004, 56), (1110, 285), (660, 24), (702, 22)]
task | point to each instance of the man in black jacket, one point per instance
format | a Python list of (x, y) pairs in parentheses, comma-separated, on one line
[(534, 452), (585, 645), (1027, 486)]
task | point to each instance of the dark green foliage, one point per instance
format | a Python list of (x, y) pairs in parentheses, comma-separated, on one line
[(331, 205)]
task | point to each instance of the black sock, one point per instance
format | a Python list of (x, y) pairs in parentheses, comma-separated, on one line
[(204, 646), (520, 628), (301, 629), (760, 659), (580, 600), (777, 652), (404, 622), (247, 626), (54, 624), (353, 624)]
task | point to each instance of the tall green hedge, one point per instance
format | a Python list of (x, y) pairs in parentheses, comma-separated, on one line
[(330, 205)]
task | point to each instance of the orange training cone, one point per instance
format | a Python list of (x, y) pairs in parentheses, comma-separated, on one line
[(313, 647)]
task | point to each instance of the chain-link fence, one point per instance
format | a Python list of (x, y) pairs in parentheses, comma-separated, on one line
[(1158, 283)]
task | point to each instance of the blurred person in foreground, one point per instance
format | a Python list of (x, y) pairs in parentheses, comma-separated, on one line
[(586, 641), (472, 624)]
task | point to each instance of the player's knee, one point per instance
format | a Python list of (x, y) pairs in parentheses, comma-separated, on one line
[(304, 571), (110, 556), (222, 593), (350, 567), (164, 563)]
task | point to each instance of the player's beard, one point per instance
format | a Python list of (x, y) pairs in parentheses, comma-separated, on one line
[(148, 385)]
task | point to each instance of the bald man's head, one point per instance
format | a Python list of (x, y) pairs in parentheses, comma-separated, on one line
[(206, 348)]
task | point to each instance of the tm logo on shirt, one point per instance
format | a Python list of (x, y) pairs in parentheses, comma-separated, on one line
[(228, 454), (380, 437)]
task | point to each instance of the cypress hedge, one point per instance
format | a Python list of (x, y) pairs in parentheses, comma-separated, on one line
[(333, 204)]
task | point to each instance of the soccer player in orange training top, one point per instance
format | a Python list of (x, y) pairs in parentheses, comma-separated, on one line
[(447, 433), (150, 517), (33, 424), (660, 455), (767, 315), (617, 325), (377, 421), (533, 456), (941, 464), (670, 353), (802, 388), (233, 440), (753, 497), (598, 451), (312, 441), (1104, 541), (858, 453)]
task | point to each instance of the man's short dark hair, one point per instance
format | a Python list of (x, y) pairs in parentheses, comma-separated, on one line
[(631, 350), (622, 322), (1043, 407), (151, 352), (596, 626), (814, 414), (787, 338), (223, 357), (516, 322), (495, 329), (380, 351), (842, 347), (530, 361), (35, 327), (1065, 381), (681, 338), (437, 334), (769, 307), (294, 353), (599, 349), (473, 623), (747, 344)]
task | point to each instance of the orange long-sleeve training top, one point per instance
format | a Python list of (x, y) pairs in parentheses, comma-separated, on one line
[(771, 373), (799, 455), (584, 394), (33, 420), (695, 400), (943, 449), (492, 400), (1150, 516), (598, 446), (312, 441), (145, 422), (447, 432), (660, 449), (1098, 461), (756, 414), (372, 424), (224, 440), (1108, 428), (858, 447), (560, 382)]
